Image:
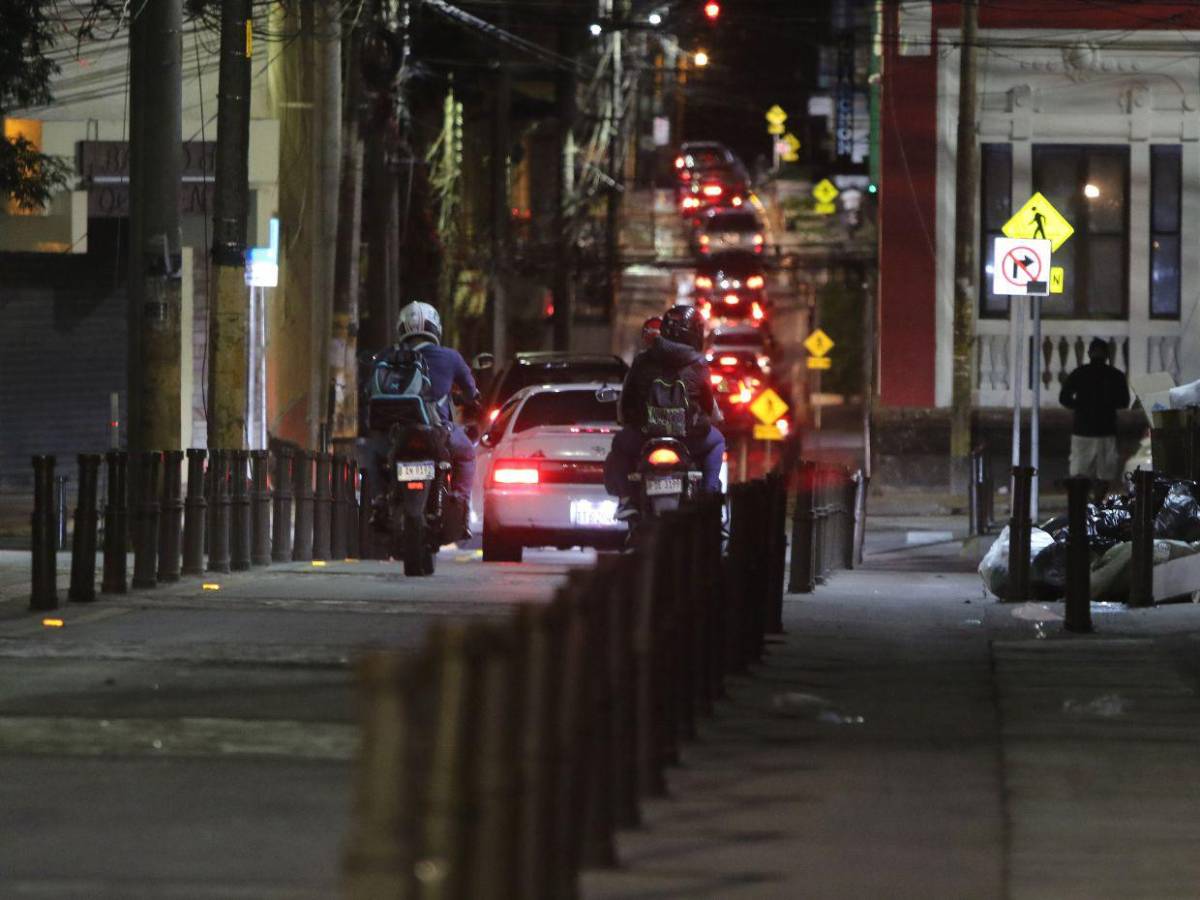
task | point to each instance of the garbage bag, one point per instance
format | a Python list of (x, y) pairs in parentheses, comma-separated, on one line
[(1179, 517), (993, 568), (1048, 572), (1185, 395), (1110, 573)]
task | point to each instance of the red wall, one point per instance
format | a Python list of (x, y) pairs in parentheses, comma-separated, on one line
[(908, 173)]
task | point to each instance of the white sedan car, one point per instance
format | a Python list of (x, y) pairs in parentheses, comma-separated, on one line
[(540, 474)]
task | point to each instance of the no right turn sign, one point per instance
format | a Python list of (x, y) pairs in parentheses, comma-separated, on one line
[(1021, 267)]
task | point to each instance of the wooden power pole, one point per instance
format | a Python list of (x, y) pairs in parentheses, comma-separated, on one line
[(966, 188), (156, 264), (228, 358)]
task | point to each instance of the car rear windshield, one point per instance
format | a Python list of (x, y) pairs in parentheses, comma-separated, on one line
[(704, 159), (749, 339), (565, 408), (523, 376), (733, 222)]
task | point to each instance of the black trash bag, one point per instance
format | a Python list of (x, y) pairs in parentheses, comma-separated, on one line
[(1048, 572), (1114, 519), (1179, 517)]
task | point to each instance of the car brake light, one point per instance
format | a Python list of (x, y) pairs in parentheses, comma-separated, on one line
[(712, 190), (728, 360), (690, 202), (731, 299), (416, 485), (491, 417), (703, 281), (757, 312), (514, 471), (754, 281), (663, 456)]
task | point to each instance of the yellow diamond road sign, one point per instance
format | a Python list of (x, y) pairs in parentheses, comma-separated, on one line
[(1038, 220), (818, 343), (768, 407), (776, 115), (825, 191), (775, 129)]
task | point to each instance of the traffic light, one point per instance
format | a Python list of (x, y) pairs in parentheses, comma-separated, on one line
[(712, 9)]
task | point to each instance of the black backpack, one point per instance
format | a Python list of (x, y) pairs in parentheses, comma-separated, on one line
[(402, 374), (668, 410)]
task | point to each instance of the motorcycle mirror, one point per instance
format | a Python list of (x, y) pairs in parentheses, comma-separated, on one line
[(608, 394), (486, 439), (481, 362)]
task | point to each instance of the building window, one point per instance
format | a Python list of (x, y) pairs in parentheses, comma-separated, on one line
[(1166, 176), (995, 208), (1089, 186)]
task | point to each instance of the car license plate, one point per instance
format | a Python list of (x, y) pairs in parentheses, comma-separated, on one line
[(420, 471), (661, 487), (591, 513)]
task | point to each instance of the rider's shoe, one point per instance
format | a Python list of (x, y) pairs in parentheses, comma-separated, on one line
[(626, 510)]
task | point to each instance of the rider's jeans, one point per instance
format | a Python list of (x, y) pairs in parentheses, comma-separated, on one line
[(706, 450), (462, 461)]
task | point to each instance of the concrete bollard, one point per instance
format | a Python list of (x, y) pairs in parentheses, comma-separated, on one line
[(337, 501), (194, 513), (83, 547), (322, 509), (1078, 602), (1141, 569), (1019, 535), (145, 522), (260, 510), (302, 482), (170, 517), (239, 509), (382, 851), (218, 538), (44, 593), (281, 520), (116, 524)]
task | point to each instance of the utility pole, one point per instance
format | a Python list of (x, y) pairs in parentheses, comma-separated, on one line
[(501, 142), (613, 207), (228, 358), (966, 187), (344, 348), (564, 251), (157, 256)]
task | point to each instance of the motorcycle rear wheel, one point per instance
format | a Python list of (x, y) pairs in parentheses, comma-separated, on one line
[(418, 560)]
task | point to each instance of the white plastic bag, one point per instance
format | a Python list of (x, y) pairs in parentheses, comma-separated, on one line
[(993, 568)]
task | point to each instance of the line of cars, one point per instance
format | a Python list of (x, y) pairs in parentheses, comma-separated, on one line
[(721, 215)]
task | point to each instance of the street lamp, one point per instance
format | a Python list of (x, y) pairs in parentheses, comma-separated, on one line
[(654, 19), (595, 29), (700, 59)]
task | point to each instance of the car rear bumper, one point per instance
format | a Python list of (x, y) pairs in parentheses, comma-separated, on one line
[(548, 508)]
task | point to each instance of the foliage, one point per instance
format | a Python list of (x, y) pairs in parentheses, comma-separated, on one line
[(26, 35), (840, 303)]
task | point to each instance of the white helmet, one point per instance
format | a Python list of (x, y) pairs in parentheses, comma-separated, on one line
[(419, 319)]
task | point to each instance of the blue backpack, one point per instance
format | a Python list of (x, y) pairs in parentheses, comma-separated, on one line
[(400, 389)]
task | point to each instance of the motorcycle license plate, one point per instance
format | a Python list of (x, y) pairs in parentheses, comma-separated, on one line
[(418, 471), (661, 487)]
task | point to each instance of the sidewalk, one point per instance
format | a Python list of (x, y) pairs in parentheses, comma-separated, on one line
[(909, 737)]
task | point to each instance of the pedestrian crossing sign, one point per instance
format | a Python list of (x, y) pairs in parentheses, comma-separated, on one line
[(1039, 220)]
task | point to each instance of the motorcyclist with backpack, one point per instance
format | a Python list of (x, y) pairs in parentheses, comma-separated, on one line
[(419, 331), (672, 370)]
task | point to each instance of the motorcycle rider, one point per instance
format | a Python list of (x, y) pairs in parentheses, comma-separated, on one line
[(673, 356), (420, 328), (651, 328)]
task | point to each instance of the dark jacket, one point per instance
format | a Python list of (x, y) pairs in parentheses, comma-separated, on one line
[(670, 361), (1095, 391)]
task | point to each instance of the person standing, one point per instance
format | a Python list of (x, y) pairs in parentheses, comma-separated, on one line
[(1094, 392)]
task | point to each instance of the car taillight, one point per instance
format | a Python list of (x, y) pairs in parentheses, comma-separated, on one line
[(731, 299), (703, 281), (716, 379), (756, 311), (754, 281), (728, 360), (679, 162), (514, 471), (712, 190), (690, 202), (663, 456), (491, 416), (706, 311)]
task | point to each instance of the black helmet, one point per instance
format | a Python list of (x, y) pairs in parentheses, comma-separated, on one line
[(684, 325)]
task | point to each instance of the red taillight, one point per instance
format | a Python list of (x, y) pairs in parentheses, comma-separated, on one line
[(757, 312), (754, 281), (416, 485), (514, 471), (703, 281), (731, 299), (728, 360), (663, 456), (712, 190)]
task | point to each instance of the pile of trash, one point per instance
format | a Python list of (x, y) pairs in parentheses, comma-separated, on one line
[(1110, 543)]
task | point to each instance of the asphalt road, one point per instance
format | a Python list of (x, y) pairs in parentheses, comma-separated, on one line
[(184, 742)]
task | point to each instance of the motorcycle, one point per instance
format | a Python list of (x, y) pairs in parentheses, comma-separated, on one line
[(418, 514), (666, 477)]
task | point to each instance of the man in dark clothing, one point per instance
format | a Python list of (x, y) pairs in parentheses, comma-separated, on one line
[(1095, 392), (674, 356)]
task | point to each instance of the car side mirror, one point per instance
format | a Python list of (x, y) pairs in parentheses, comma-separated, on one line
[(607, 395)]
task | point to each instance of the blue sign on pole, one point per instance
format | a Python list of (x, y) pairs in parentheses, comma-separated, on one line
[(262, 263)]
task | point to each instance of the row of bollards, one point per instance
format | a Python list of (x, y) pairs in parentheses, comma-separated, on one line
[(827, 519), (502, 758), (232, 517)]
